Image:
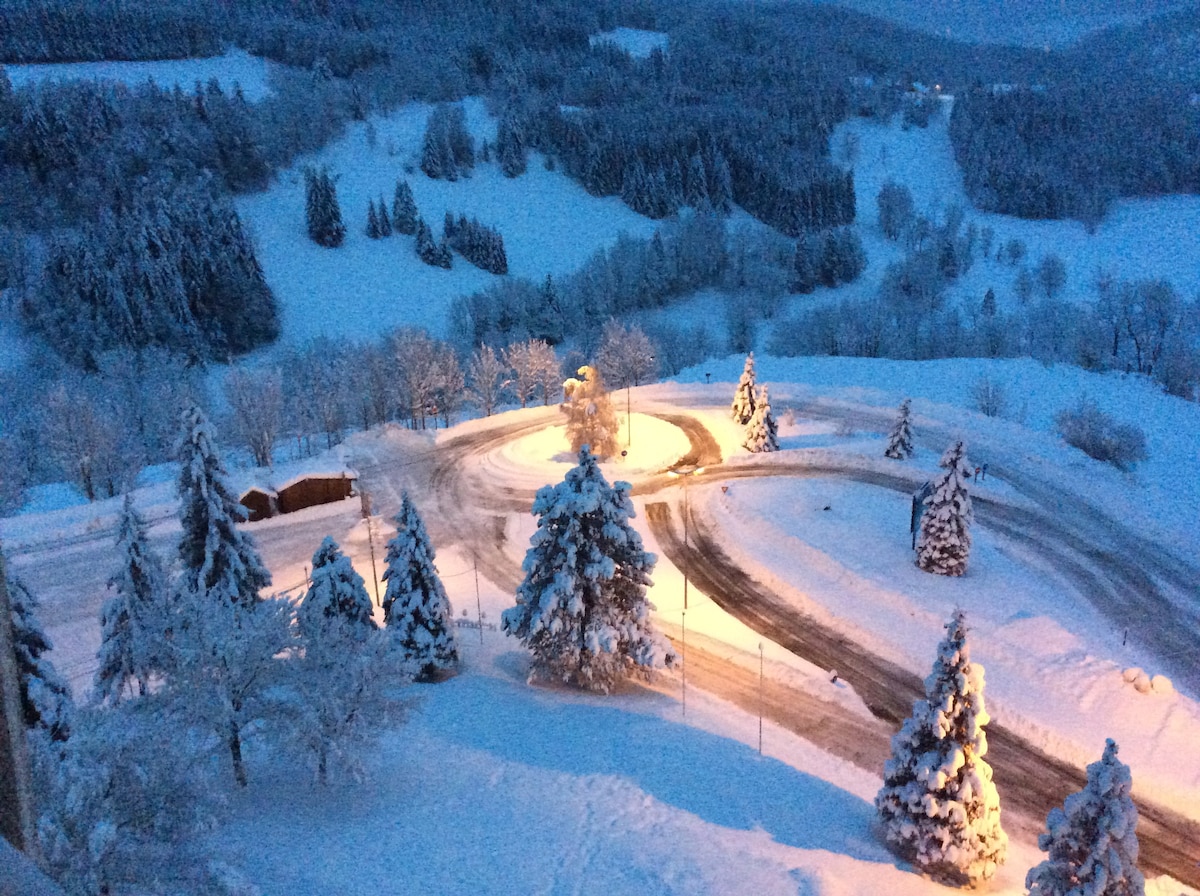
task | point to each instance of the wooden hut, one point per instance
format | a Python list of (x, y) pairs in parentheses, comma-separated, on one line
[(259, 502), (314, 488)]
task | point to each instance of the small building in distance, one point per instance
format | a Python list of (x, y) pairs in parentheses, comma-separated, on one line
[(268, 494)]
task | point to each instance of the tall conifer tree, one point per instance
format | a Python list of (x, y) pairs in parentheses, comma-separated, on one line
[(1092, 840), (900, 441), (742, 408), (134, 620), (938, 805), (582, 607), (944, 543), (415, 605), (219, 561)]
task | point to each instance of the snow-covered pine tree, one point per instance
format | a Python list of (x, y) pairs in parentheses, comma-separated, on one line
[(226, 637), (944, 543), (385, 220), (1092, 840), (134, 620), (900, 442), (45, 697), (220, 562), (336, 591), (404, 209), (938, 805), (510, 147), (322, 213), (742, 408), (762, 434), (415, 606), (591, 420), (337, 674), (582, 607), (372, 222)]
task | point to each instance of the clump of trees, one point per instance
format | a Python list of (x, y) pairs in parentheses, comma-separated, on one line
[(447, 149), (1068, 150), (830, 258), (172, 268), (323, 215), (434, 254), (479, 244)]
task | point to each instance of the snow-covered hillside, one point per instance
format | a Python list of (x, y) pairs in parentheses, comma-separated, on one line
[(493, 786), (1031, 23)]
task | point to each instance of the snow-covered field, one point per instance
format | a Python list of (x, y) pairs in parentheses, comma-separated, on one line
[(367, 287), (492, 786)]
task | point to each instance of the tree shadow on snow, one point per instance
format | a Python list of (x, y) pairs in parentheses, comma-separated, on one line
[(718, 779)]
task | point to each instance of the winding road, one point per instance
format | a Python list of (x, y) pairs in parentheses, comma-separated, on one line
[(1131, 580), (1108, 570)]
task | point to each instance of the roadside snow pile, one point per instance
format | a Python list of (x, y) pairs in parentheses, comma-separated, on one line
[(1144, 683)]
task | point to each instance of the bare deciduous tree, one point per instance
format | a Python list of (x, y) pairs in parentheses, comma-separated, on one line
[(256, 401), (488, 378)]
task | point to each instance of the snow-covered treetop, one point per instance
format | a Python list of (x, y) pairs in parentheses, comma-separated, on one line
[(217, 557), (1092, 841), (742, 408)]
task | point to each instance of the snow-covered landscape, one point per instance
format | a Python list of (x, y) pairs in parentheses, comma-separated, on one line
[(487, 783)]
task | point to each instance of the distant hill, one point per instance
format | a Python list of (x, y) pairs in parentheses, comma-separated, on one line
[(1030, 23)]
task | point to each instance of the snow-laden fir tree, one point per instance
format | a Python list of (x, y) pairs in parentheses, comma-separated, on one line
[(762, 433), (219, 562), (404, 209), (336, 590), (46, 704), (385, 220), (582, 607), (742, 408), (322, 213), (591, 420), (944, 543), (337, 675), (225, 638), (1092, 840), (938, 806), (415, 607), (900, 441), (133, 621), (373, 231)]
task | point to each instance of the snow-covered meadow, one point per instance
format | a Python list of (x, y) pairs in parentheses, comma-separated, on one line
[(492, 786)]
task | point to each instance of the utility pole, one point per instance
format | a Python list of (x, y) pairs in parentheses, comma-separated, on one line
[(366, 512), (478, 605), (760, 695), (16, 793)]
